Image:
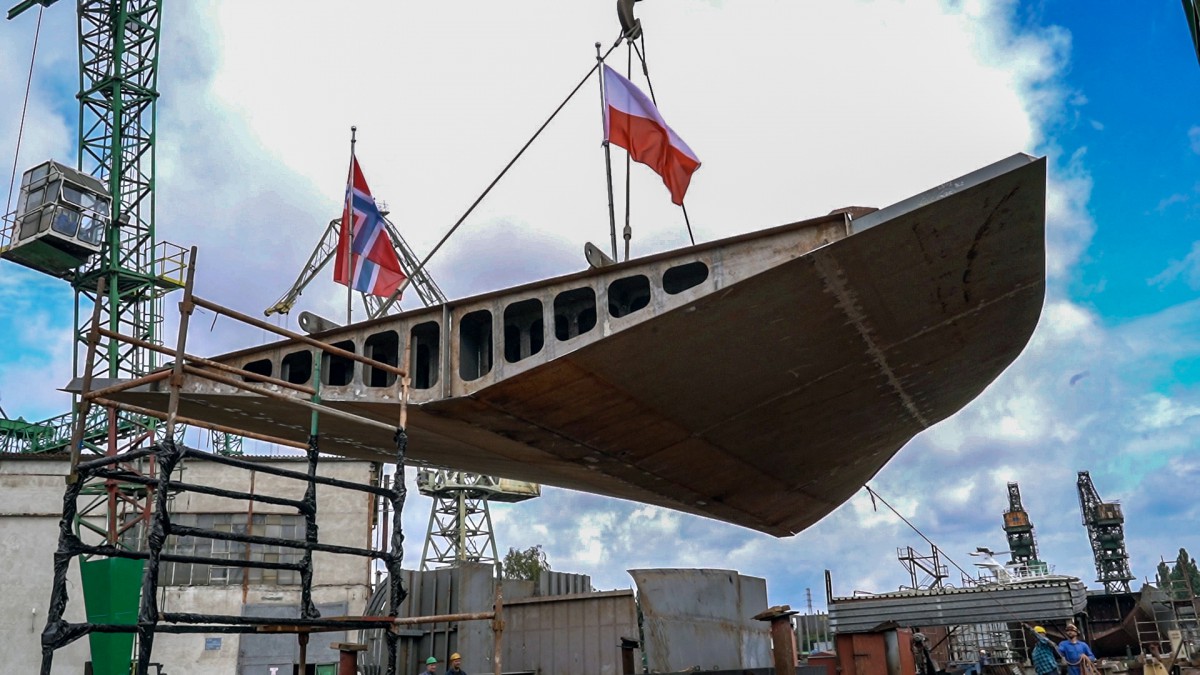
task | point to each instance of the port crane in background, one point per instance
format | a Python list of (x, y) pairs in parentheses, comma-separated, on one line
[(460, 520), (421, 282), (1022, 545), (1106, 530)]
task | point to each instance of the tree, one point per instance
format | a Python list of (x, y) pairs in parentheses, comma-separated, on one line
[(1181, 580), (527, 564)]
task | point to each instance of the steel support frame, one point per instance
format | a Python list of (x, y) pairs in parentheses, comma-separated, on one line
[(460, 530)]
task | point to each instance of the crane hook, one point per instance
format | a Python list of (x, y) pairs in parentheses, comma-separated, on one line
[(631, 28)]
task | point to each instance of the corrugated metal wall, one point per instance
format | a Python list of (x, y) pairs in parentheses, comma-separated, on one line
[(569, 634), (445, 591), (469, 588), (693, 618)]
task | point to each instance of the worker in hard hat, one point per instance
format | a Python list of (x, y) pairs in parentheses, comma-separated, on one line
[(1076, 652), (455, 665), (1045, 655), (430, 666)]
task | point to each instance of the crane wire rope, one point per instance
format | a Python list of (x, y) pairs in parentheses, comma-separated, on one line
[(24, 108), (391, 300), (646, 73)]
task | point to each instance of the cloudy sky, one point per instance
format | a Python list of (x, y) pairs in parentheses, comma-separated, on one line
[(795, 109)]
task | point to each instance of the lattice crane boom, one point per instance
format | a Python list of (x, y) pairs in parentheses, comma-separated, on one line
[(1106, 530), (424, 285)]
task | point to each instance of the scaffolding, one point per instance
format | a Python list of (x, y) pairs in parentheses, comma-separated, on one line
[(151, 468), (1171, 632)]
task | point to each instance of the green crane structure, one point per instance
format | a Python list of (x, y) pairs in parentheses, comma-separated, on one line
[(118, 77), (1022, 545), (93, 226), (118, 94), (1106, 530)]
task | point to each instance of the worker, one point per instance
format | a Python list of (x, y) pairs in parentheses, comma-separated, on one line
[(455, 665), (1045, 656), (430, 666), (1076, 652)]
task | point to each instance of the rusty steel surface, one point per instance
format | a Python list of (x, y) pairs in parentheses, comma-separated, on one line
[(764, 396), (703, 619)]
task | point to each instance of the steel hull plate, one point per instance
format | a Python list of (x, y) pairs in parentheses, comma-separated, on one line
[(766, 403)]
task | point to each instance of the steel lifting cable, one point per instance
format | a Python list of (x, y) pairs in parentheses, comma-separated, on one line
[(646, 72), (395, 295), (24, 107)]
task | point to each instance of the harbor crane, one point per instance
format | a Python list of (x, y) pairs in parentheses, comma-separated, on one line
[(1106, 530), (427, 290), (1022, 545)]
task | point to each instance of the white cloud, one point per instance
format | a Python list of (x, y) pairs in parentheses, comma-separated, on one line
[(1194, 139), (1188, 268)]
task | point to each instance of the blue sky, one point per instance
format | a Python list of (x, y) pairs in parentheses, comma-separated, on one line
[(795, 109)]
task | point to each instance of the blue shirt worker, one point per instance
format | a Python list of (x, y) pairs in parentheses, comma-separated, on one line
[(1076, 652), (431, 664), (1045, 656)]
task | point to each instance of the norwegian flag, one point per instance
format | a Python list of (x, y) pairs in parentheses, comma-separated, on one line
[(368, 263)]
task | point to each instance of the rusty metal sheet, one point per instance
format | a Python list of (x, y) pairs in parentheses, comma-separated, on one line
[(698, 618), (764, 396)]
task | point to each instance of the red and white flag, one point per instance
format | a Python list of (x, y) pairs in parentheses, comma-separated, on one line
[(632, 122)]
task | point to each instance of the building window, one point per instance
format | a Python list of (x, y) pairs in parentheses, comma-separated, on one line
[(279, 525)]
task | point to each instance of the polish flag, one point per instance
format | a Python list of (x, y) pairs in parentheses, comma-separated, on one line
[(632, 122)]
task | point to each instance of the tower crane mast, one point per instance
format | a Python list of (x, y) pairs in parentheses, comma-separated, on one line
[(97, 227), (1106, 530)]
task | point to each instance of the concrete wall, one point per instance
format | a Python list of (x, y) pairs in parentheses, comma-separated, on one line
[(30, 505)]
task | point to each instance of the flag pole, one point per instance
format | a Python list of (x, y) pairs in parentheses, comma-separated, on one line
[(612, 216), (628, 233), (348, 212)]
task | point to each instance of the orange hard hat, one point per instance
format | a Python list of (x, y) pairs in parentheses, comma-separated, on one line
[(456, 657)]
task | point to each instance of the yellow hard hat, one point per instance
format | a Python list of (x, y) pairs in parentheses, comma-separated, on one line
[(1039, 629), (455, 657)]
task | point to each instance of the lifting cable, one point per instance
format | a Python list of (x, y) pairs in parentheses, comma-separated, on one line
[(650, 86), (24, 106), (391, 300), (876, 496)]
